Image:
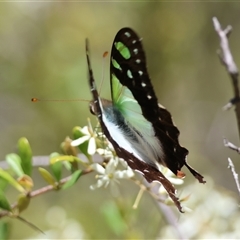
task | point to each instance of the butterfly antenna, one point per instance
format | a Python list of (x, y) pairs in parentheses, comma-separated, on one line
[(103, 71), (57, 100)]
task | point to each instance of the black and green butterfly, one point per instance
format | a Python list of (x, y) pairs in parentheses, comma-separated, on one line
[(140, 129)]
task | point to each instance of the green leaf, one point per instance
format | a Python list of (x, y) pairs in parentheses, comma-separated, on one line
[(47, 177), (23, 202), (63, 158), (3, 185), (114, 218), (14, 162), (4, 230), (70, 162), (56, 167), (6, 176), (84, 146), (68, 165), (74, 177), (4, 204), (25, 153)]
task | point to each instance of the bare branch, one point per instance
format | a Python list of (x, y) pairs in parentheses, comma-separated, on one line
[(235, 175), (37, 161), (231, 145), (228, 61), (226, 53)]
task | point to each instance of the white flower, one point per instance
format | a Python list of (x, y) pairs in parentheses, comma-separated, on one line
[(171, 177), (105, 153), (109, 174), (88, 135)]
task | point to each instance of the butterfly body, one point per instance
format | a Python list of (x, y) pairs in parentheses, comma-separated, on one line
[(130, 138), (139, 128)]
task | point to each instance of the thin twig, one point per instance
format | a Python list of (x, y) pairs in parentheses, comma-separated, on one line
[(235, 175), (231, 145), (226, 58)]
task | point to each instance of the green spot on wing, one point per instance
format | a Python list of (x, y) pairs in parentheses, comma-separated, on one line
[(123, 50), (115, 64), (129, 73)]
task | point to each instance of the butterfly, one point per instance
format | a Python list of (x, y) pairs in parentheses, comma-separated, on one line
[(141, 130)]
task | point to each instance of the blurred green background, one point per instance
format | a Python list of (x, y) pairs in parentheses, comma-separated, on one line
[(42, 54)]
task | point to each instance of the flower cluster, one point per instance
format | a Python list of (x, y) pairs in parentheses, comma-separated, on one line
[(110, 172), (113, 168)]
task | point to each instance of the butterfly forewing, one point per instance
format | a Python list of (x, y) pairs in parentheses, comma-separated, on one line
[(128, 66)]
